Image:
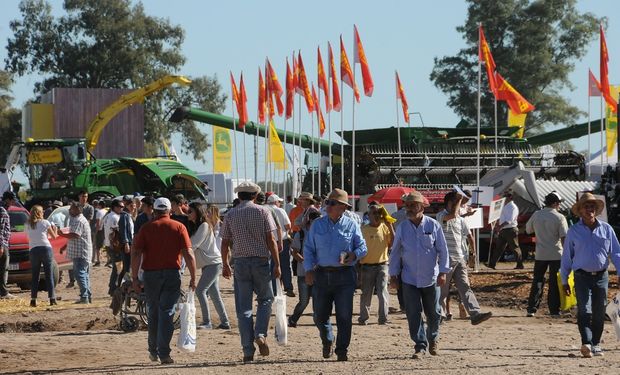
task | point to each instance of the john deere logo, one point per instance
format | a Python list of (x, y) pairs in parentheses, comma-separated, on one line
[(222, 142)]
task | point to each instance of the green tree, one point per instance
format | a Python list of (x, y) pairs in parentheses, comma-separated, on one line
[(534, 44), (10, 118), (109, 44)]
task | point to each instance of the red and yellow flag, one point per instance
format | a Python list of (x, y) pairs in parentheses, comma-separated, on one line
[(235, 92), (336, 105), (360, 57), (319, 114), (298, 89), (261, 97), (243, 106), (605, 89), (275, 89), (517, 103), (322, 79), (484, 54), (346, 73), (303, 82), (594, 86), (290, 91), (400, 94)]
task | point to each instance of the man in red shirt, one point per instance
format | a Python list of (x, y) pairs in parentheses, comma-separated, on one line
[(158, 247)]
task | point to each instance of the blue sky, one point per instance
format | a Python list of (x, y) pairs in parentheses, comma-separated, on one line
[(236, 36)]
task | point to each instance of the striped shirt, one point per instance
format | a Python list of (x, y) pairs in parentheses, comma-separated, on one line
[(456, 231), (82, 246), (5, 228), (247, 226)]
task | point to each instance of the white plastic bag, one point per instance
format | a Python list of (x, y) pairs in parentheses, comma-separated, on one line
[(613, 311), (280, 304), (187, 336)]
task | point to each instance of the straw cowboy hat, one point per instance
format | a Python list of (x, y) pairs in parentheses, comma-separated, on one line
[(586, 198), (415, 196), (307, 196), (340, 196)]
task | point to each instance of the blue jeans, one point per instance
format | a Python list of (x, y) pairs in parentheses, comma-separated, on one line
[(38, 255), (334, 288), (81, 269), (209, 285), (591, 293), (252, 275), (416, 300), (305, 291), (162, 289), (285, 268)]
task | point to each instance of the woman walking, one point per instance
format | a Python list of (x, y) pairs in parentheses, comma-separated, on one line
[(209, 259), (37, 231)]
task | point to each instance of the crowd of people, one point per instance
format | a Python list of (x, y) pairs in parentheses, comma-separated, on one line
[(263, 240)]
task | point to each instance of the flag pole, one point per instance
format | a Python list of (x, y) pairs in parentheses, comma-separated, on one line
[(235, 137), (294, 186), (256, 151), (342, 164), (602, 136), (477, 255), (353, 139), (329, 131), (589, 171), (496, 151), (400, 154), (213, 164), (284, 147), (311, 160), (318, 120), (245, 165), (267, 131)]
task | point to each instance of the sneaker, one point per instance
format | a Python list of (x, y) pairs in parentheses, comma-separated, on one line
[(342, 358), (530, 314), (204, 326), (419, 353), (393, 310), (328, 350), (384, 322), (167, 361), (290, 293), (8, 296), (292, 324), (597, 351), (479, 318), (224, 326), (248, 358), (153, 357), (586, 351), (263, 348), (82, 301), (432, 348), (362, 322)]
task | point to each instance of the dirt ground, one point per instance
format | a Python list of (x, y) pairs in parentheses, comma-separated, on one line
[(72, 338)]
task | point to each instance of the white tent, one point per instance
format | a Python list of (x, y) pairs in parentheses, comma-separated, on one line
[(595, 162)]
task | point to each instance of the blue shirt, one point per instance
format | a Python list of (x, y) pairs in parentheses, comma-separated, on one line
[(326, 240), (419, 253), (589, 250)]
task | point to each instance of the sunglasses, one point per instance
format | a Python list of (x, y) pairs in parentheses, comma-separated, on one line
[(331, 202)]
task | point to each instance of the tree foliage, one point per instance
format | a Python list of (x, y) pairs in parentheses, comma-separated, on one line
[(535, 45), (110, 44), (10, 118)]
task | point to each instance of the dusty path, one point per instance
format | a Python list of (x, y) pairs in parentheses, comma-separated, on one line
[(68, 339)]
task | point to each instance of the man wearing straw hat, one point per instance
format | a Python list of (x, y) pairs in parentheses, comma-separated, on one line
[(331, 248), (420, 256), (588, 246)]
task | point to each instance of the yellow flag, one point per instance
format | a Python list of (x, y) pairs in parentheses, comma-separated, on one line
[(222, 150), (611, 129), (515, 119)]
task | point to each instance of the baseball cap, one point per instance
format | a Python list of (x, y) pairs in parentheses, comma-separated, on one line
[(273, 198), (162, 204), (552, 198)]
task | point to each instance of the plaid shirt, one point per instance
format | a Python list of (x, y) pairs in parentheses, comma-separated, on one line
[(5, 228), (81, 247), (247, 226)]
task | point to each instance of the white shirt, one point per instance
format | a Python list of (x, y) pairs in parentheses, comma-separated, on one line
[(283, 220), (99, 215), (109, 222), (288, 207), (508, 217), (38, 235)]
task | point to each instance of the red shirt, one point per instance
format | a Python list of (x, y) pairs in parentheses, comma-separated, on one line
[(295, 212), (161, 242)]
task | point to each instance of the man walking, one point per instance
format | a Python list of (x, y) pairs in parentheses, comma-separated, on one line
[(80, 250), (508, 233), (589, 245), (249, 235), (331, 248), (378, 235), (158, 248), (284, 224), (420, 256), (550, 228), (456, 232), (8, 199)]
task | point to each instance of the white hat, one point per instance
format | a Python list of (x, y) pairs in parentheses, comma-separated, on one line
[(273, 198), (247, 187), (162, 204)]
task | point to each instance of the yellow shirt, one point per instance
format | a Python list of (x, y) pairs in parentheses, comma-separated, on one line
[(377, 239)]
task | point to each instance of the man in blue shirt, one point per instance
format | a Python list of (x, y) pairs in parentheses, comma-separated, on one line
[(587, 248), (331, 248), (420, 256)]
